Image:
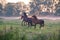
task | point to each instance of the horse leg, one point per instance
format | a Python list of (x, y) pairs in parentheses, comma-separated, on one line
[(35, 26), (25, 23), (31, 23), (28, 24), (40, 25), (43, 25), (22, 23)]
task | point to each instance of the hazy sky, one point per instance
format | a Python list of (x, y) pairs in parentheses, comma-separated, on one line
[(14, 1)]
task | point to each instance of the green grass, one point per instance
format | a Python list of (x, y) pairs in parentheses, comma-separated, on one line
[(13, 30)]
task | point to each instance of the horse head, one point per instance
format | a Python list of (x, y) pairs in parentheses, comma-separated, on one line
[(22, 17), (34, 17), (24, 14)]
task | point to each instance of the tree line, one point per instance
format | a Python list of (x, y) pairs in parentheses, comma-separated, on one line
[(14, 9)]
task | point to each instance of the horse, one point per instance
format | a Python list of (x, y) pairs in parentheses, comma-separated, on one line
[(37, 21), (26, 20), (23, 21), (33, 21)]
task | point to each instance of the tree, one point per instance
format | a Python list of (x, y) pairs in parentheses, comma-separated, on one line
[(35, 6), (57, 12), (9, 9), (1, 8), (57, 9)]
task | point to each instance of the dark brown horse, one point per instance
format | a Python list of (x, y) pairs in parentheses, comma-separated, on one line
[(26, 20), (36, 21)]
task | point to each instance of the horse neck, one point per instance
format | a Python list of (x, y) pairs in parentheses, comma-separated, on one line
[(22, 17), (25, 16), (35, 18)]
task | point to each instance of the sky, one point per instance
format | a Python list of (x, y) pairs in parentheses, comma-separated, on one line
[(14, 1)]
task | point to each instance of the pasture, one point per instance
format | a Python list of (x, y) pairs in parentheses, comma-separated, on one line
[(13, 30)]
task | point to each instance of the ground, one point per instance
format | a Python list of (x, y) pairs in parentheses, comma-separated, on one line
[(13, 30)]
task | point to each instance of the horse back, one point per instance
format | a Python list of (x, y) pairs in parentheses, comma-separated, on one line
[(41, 20)]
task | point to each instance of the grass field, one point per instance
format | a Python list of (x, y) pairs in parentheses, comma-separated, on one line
[(13, 30)]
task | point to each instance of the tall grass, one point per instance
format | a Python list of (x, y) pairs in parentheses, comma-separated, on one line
[(13, 30)]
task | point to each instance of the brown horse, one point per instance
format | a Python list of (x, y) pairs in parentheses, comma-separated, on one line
[(36, 21)]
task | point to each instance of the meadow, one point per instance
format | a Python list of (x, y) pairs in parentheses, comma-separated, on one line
[(13, 30)]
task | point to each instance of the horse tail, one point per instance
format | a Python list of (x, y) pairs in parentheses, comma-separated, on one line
[(43, 23)]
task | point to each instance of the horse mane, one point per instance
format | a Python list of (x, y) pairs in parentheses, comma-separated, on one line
[(34, 16), (25, 15)]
